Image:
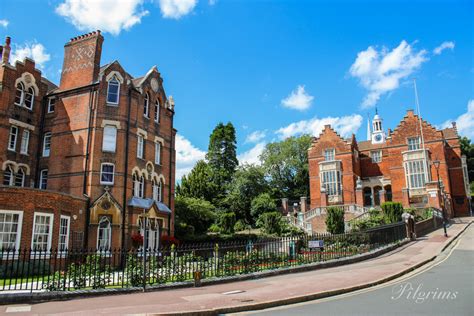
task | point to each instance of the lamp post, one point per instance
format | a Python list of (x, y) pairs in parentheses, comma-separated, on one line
[(436, 163)]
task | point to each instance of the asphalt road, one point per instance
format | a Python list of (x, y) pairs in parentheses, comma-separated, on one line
[(445, 287)]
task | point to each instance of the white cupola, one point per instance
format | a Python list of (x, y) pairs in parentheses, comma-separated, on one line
[(378, 136)]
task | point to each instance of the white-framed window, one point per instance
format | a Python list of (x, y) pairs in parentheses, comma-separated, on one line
[(413, 143), (20, 94), (146, 106), (416, 175), (10, 230), (113, 91), (152, 234), (331, 181), (42, 232), (29, 98), (158, 153), (63, 239), (104, 234), (20, 178), (12, 138), (43, 184), (46, 144), (107, 173), (8, 176), (51, 105), (140, 145), (25, 141), (138, 185), (157, 190), (329, 154), (109, 141), (157, 111), (376, 156)]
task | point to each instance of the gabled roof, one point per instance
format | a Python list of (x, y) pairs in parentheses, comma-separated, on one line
[(148, 204)]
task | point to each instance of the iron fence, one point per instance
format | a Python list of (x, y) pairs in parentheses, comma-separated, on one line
[(83, 269)]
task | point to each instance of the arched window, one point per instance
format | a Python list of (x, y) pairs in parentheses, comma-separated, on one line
[(138, 185), (29, 98), (146, 106), (20, 178), (113, 91), (157, 111), (104, 234), (157, 190), (20, 94), (8, 176)]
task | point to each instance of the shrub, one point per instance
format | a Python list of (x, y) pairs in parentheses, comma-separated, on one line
[(227, 222), (335, 220), (262, 204), (240, 226), (393, 211), (197, 213), (214, 228), (270, 222)]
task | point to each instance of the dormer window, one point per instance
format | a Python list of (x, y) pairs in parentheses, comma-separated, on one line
[(146, 106), (20, 94), (329, 154), (113, 91), (29, 98)]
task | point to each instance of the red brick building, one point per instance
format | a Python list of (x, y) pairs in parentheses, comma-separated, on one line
[(398, 165), (84, 161)]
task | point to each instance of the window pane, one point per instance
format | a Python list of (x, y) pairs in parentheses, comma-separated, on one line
[(9, 230), (109, 139)]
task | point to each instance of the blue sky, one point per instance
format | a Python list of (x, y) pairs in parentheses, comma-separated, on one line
[(272, 68)]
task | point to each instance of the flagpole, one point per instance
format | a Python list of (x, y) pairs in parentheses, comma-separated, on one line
[(421, 131)]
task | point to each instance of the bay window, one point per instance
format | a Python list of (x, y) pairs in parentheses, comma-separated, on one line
[(415, 173), (331, 182)]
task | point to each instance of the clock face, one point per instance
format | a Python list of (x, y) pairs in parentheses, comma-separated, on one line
[(378, 137)]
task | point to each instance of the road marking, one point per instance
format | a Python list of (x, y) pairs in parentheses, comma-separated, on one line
[(233, 292), (18, 309)]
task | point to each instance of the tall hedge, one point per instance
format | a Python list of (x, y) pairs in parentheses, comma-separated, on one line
[(335, 220), (393, 211)]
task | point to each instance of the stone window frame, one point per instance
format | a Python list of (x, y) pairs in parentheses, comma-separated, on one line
[(159, 144), (417, 176), (329, 153), (118, 77), (28, 83), (412, 144), (107, 229), (17, 233), (334, 185)]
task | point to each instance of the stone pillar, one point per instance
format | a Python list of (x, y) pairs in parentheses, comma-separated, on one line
[(360, 197), (405, 198), (372, 196), (324, 199), (382, 196), (304, 206)]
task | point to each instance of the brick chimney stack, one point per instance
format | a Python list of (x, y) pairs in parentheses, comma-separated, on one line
[(81, 60), (6, 51)]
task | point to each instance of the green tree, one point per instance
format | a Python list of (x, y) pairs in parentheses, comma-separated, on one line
[(227, 222), (335, 220), (271, 223), (263, 203), (467, 149), (193, 216), (222, 153), (247, 183), (198, 183), (393, 211), (286, 164)]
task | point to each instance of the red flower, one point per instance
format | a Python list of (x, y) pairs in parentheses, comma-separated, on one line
[(169, 240), (137, 238)]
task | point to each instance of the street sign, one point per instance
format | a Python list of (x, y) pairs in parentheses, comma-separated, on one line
[(315, 244)]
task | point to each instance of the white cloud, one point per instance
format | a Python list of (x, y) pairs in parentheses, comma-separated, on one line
[(381, 71), (186, 156), (175, 9), (464, 122), (345, 126), (110, 16), (35, 51), (298, 99), (445, 45), (255, 137), (4, 23), (251, 156)]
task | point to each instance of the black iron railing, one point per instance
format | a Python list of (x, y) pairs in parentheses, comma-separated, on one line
[(81, 269)]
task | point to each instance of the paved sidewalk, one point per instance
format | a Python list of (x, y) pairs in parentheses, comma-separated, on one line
[(258, 293)]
